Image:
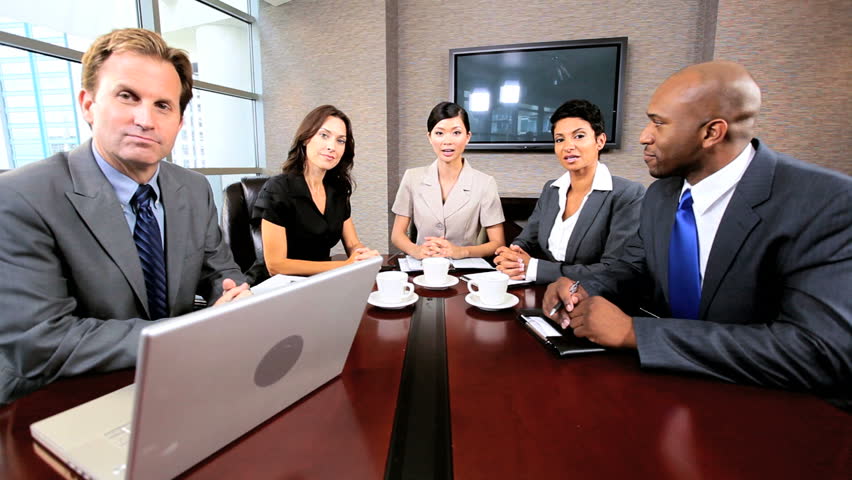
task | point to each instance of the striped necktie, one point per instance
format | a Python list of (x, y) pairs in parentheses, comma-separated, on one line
[(684, 273), (149, 244)]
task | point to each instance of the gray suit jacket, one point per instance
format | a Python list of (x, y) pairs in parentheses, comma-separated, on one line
[(607, 221), (776, 302), (73, 296)]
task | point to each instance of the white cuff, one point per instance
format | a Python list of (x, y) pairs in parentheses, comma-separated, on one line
[(531, 269)]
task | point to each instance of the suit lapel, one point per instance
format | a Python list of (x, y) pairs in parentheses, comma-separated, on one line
[(584, 222), (95, 201), (737, 223), (177, 219), (460, 194), (429, 191)]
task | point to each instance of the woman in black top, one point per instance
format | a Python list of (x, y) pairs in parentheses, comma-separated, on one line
[(305, 211)]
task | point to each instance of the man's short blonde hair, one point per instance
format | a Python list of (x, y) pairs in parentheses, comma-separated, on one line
[(142, 42)]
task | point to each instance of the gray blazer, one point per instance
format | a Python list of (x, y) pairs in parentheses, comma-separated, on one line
[(776, 302), (607, 221), (73, 296)]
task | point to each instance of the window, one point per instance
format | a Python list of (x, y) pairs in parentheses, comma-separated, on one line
[(42, 41)]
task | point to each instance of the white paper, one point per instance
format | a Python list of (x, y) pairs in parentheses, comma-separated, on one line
[(410, 264), (542, 327), (473, 262), (274, 283)]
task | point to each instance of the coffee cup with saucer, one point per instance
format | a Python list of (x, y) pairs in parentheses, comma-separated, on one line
[(375, 299), (448, 282), (488, 292), (394, 291)]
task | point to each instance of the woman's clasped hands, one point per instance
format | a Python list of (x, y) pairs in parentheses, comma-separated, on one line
[(440, 247), (512, 261), (361, 253)]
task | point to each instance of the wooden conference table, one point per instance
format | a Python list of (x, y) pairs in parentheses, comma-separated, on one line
[(514, 411)]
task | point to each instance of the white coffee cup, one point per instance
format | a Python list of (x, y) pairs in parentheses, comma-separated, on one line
[(490, 287), (394, 286), (435, 270)]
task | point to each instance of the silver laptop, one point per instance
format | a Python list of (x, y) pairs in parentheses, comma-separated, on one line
[(206, 378)]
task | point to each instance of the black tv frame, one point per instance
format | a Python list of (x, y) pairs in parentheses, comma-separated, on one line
[(611, 143)]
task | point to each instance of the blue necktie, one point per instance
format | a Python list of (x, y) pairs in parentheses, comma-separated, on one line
[(684, 274), (149, 244)]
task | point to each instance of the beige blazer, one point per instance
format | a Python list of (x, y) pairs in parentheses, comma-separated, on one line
[(473, 203)]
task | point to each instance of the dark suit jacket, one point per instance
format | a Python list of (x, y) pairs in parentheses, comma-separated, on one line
[(606, 222), (73, 296), (776, 302)]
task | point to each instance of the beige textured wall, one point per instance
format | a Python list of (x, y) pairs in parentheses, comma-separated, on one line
[(800, 53), (326, 51), (659, 45), (385, 63)]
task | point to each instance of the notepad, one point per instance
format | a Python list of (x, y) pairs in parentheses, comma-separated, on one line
[(411, 264), (561, 343)]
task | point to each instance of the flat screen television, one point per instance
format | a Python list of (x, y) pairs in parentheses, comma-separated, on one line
[(510, 91)]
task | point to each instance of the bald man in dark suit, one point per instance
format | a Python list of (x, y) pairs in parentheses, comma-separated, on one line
[(771, 303)]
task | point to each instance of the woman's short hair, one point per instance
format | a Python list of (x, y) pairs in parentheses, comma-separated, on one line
[(339, 176), (141, 42), (582, 109), (445, 110)]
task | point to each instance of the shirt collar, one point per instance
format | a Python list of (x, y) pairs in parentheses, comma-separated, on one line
[(431, 177), (123, 185), (709, 190), (602, 180)]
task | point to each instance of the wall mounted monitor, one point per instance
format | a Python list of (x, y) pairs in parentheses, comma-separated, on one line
[(510, 91)]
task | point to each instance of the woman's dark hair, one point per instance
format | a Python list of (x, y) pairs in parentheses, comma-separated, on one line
[(445, 110), (582, 109), (340, 175)]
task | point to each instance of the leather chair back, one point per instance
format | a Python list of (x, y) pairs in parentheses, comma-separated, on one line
[(239, 231)]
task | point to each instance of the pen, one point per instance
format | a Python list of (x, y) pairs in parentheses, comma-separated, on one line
[(560, 304)]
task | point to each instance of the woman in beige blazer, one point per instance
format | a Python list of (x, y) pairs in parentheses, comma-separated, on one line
[(449, 201)]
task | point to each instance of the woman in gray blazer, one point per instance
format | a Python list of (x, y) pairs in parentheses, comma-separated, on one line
[(582, 219)]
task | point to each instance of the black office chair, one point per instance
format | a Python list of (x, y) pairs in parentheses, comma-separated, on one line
[(240, 233)]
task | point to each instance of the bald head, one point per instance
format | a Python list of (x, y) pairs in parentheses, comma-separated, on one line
[(720, 89), (700, 119)]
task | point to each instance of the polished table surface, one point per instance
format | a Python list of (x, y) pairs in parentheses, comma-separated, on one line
[(516, 412)]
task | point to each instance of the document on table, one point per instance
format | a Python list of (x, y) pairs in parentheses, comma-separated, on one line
[(541, 327), (471, 263), (274, 283), (411, 264)]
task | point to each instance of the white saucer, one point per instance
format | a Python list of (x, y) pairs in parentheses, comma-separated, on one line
[(375, 300), (420, 281), (508, 302)]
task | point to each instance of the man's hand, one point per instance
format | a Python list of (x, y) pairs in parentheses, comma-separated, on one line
[(231, 292), (597, 319), (512, 261), (560, 291)]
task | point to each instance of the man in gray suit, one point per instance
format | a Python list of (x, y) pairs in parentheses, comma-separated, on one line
[(766, 294), (98, 242)]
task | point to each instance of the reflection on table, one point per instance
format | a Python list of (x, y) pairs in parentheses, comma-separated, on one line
[(516, 412)]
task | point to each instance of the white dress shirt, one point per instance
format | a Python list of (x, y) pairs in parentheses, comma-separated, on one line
[(557, 242), (710, 199)]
